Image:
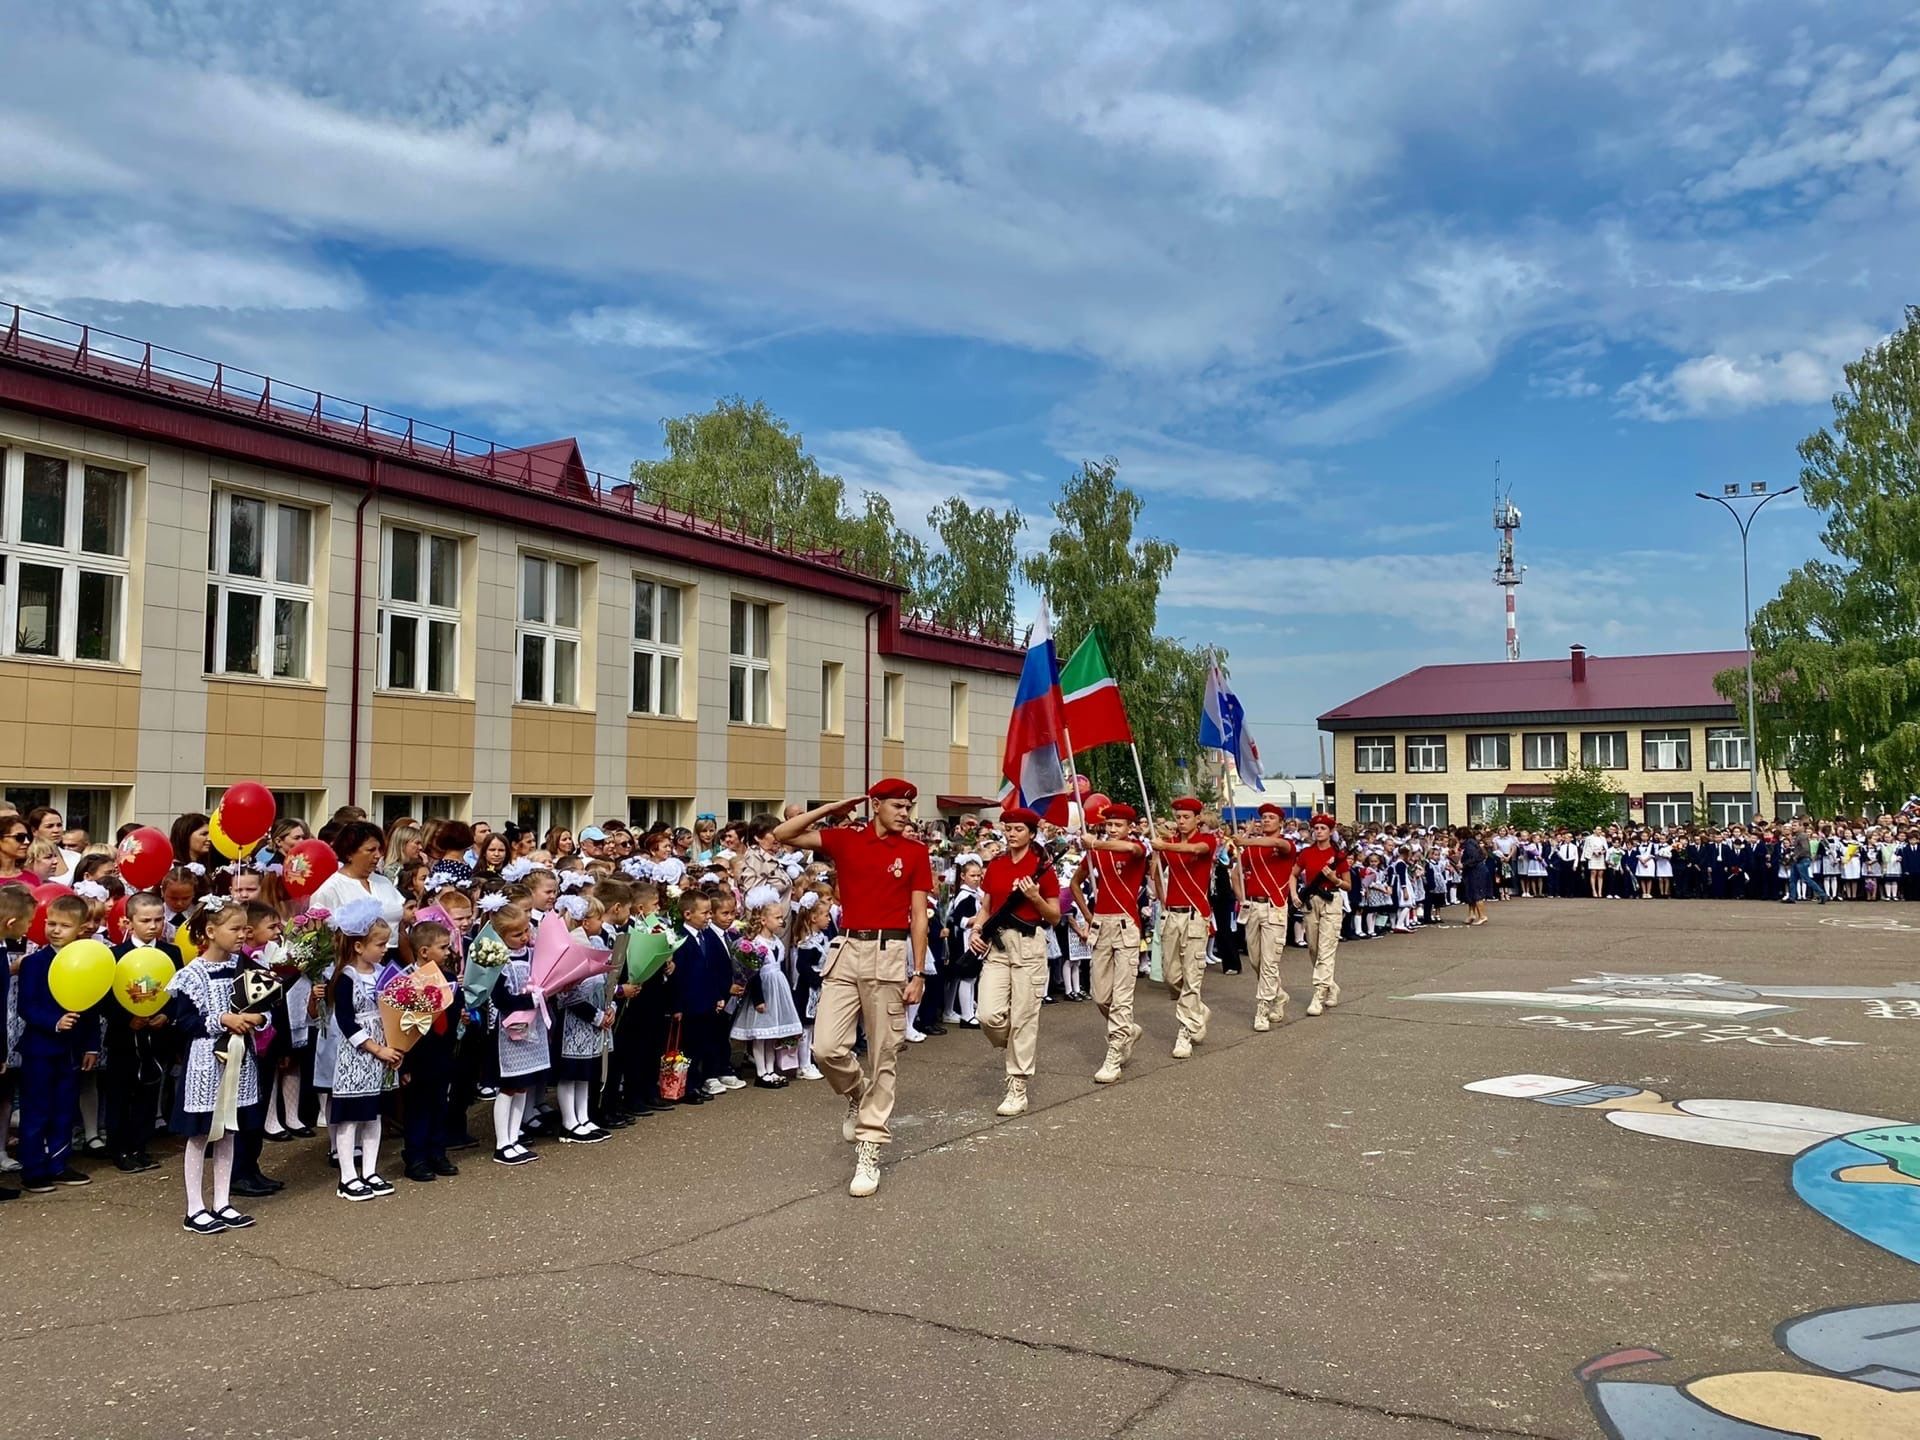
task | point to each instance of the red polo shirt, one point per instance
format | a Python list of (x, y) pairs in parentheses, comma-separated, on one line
[(877, 876), (1268, 869), (1117, 881), (1003, 873), (1315, 858), (1189, 877)]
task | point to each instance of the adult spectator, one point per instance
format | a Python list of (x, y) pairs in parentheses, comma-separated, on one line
[(190, 843), (14, 840), (358, 846), (403, 849)]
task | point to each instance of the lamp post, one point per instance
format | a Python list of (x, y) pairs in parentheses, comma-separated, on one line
[(1757, 492)]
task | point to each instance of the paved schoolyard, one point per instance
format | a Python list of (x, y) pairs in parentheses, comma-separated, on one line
[(1315, 1232)]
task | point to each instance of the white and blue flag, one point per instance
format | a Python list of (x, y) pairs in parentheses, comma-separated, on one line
[(1223, 726)]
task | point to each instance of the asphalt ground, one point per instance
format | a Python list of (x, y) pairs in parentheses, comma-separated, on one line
[(1313, 1232)]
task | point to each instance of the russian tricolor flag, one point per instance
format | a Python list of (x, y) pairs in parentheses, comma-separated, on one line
[(1032, 765)]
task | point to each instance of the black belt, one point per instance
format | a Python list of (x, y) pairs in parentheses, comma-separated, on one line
[(1181, 909), (883, 936)]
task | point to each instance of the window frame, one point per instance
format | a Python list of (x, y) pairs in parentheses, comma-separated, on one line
[(1421, 810), (267, 588), (740, 810), (658, 651), (958, 720), (1789, 805), (547, 629), (1610, 735), (550, 811), (1386, 801), (422, 610), (644, 811), (1529, 750), (1427, 744), (70, 559), (1674, 807), (1718, 737), (1504, 749), (893, 705), (1680, 738), (1372, 745), (1721, 803), (754, 673), (421, 805), (1486, 808), (60, 797), (833, 698)]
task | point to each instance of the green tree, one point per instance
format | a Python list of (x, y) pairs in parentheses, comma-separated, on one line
[(969, 576), (1095, 573), (1584, 796), (1836, 661)]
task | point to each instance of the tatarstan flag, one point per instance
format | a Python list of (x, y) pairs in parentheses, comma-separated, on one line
[(1095, 714)]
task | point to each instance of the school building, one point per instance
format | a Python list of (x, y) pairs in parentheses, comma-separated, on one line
[(1458, 744), (208, 575)]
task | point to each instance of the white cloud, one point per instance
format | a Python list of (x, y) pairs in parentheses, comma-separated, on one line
[(885, 462), (1719, 384), (634, 326)]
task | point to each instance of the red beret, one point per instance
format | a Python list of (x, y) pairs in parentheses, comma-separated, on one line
[(1326, 820), (1187, 805), (1272, 809), (1117, 811), (1020, 815), (892, 789)]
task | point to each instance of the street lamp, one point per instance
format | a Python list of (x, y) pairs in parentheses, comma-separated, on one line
[(1757, 492)]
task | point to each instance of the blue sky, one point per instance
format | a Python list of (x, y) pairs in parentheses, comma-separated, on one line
[(1306, 269)]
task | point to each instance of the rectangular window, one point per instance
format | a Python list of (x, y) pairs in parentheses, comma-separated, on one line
[(1373, 754), (739, 809), (1604, 749), (541, 813), (1669, 810), (1489, 752), (419, 611), (549, 632), (395, 807), (1427, 810), (1544, 750), (259, 588), (1426, 755), (1729, 807), (749, 668), (63, 557), (646, 811), (656, 648), (957, 712), (85, 808), (1375, 809), (1486, 809), (1666, 749), (1726, 748), (833, 697), (893, 706), (1789, 805)]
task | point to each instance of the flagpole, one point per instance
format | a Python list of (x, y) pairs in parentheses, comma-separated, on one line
[(1073, 780), (1146, 800)]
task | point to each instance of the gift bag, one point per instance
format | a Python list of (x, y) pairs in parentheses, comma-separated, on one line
[(673, 1067)]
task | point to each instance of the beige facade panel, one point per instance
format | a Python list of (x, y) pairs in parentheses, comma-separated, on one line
[(552, 751), (81, 724), (756, 763), (662, 756), (275, 734), (422, 745)]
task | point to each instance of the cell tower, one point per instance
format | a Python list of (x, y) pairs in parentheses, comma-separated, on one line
[(1506, 519)]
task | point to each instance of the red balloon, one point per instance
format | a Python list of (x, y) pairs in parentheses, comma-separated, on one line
[(43, 894), (50, 890), (246, 812), (1082, 787), (117, 919), (307, 866), (1095, 803), (145, 857)]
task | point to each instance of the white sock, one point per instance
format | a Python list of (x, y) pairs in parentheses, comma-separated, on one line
[(222, 1171), (344, 1134), (806, 1047), (369, 1147), (503, 1131), (519, 1116), (196, 1166), (569, 1115), (763, 1052), (912, 1010)]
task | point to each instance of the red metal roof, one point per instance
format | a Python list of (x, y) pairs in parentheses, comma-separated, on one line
[(1614, 683)]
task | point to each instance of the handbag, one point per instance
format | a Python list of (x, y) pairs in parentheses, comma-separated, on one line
[(673, 1066)]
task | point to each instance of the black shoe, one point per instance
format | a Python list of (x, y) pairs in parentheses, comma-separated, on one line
[(441, 1165), (8, 1192), (421, 1174), (353, 1190), (926, 1029), (128, 1165), (39, 1187), (71, 1176), (622, 1122), (233, 1219), (203, 1222), (279, 1137), (250, 1188), (377, 1185), (305, 1132)]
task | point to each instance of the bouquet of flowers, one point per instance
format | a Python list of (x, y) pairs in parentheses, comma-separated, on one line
[(410, 1001), (673, 1067), (485, 960), (309, 944)]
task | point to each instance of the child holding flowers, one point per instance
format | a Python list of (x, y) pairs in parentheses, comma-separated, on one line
[(364, 1060), (521, 1038), (202, 1011), (768, 1016)]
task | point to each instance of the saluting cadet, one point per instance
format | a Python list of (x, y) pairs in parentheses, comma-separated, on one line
[(1187, 860), (872, 972), (1320, 875), (1268, 865), (1118, 863), (1022, 895)]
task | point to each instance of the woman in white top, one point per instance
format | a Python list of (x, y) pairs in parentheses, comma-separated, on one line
[(360, 847)]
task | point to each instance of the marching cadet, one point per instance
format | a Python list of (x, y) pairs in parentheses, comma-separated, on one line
[(872, 972), (1267, 858), (1022, 895), (1320, 875), (1187, 860), (1117, 863)]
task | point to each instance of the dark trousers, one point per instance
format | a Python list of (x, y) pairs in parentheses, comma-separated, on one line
[(709, 1052), (49, 1103), (130, 1096), (932, 1000), (426, 1083), (251, 1138)]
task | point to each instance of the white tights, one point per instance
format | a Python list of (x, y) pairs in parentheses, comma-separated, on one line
[(365, 1133), (196, 1164), (573, 1104), (508, 1111), (963, 999), (283, 1103)]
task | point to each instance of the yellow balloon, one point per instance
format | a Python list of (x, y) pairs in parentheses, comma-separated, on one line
[(140, 980), (219, 838), (183, 942), (81, 975)]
